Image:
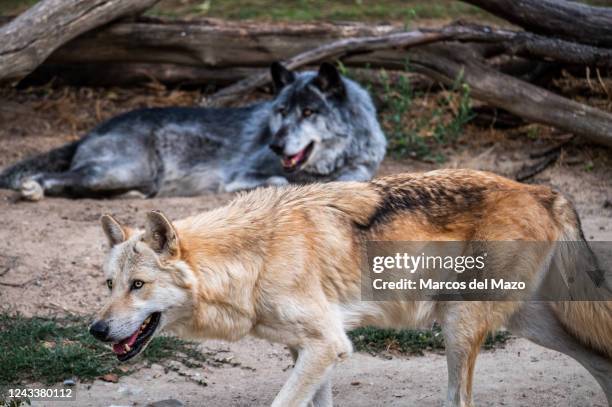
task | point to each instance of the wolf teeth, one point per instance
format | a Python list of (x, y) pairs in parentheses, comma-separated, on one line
[(127, 348)]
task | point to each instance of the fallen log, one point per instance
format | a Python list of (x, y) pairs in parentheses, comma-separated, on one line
[(199, 53), (570, 20), (213, 52), (29, 39), (208, 43)]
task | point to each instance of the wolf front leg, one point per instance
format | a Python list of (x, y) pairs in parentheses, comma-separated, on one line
[(323, 397), (252, 182), (356, 173), (309, 380)]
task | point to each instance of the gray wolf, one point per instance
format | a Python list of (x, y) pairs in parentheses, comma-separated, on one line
[(319, 127), (283, 263)]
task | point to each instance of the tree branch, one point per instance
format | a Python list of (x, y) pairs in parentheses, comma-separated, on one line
[(350, 46), (446, 64)]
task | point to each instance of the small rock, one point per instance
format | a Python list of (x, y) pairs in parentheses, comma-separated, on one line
[(166, 403), (69, 382), (110, 377), (355, 383), (129, 390)]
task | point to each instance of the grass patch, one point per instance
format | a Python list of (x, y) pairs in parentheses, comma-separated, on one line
[(52, 350), (414, 342), (418, 123), (316, 10), (14, 7), (307, 10)]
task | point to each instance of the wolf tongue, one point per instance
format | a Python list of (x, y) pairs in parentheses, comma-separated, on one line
[(120, 347), (293, 159), (132, 338)]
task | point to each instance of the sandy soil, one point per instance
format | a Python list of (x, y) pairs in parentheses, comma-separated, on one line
[(51, 252), (521, 375)]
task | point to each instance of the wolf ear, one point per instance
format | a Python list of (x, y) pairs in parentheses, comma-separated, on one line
[(281, 76), (113, 230), (160, 235), (328, 80)]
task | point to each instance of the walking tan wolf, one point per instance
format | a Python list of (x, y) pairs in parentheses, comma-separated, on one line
[(285, 264)]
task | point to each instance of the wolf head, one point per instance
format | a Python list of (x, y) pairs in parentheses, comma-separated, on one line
[(311, 119), (147, 284)]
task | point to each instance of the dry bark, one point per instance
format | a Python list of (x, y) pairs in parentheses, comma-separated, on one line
[(553, 18), (29, 39), (206, 43), (205, 52)]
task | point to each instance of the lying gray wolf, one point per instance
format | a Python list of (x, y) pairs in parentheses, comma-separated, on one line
[(320, 127), (284, 264)]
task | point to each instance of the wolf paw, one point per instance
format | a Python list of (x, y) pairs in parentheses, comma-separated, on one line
[(276, 181), (31, 190)]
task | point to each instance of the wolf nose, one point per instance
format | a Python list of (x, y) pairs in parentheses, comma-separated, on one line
[(278, 147), (99, 330)]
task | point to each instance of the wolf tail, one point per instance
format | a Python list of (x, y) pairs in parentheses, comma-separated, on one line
[(56, 160), (590, 321)]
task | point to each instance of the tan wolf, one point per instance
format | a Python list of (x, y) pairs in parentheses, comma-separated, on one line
[(285, 264)]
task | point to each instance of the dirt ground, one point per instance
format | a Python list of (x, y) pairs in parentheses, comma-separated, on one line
[(51, 252)]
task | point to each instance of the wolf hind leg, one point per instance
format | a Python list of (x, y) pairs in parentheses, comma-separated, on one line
[(463, 336), (323, 396), (31, 190), (537, 322), (86, 181)]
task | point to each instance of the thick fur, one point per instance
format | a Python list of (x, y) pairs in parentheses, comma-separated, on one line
[(285, 264), (188, 151)]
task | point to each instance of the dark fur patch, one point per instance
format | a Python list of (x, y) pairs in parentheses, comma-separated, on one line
[(439, 202)]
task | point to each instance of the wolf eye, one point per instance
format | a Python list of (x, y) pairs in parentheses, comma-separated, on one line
[(137, 284), (109, 284), (307, 112)]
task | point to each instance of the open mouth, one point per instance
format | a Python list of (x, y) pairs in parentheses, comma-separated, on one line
[(135, 343), (293, 162)]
